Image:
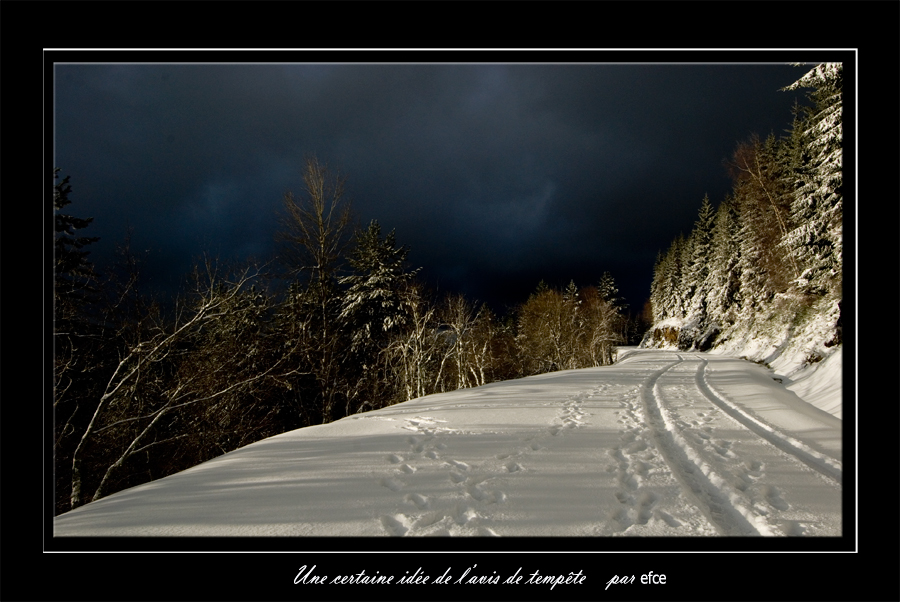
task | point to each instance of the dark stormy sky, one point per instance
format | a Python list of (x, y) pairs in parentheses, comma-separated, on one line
[(495, 175)]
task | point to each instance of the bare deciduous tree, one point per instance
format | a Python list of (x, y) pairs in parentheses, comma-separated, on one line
[(153, 380), (569, 330), (316, 228), (413, 348), (316, 224), (459, 317), (763, 195)]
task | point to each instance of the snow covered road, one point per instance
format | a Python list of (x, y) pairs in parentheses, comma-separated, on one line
[(661, 444)]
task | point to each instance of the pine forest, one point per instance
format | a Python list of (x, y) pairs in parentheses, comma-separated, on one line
[(767, 263)]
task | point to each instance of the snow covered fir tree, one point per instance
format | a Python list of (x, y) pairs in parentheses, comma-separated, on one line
[(762, 273)]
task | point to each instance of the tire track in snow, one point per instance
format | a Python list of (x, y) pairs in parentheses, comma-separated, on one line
[(635, 460), (825, 465), (722, 505)]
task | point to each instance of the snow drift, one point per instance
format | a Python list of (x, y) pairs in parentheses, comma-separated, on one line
[(662, 443)]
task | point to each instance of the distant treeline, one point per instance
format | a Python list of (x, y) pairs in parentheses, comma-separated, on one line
[(775, 240), (144, 389)]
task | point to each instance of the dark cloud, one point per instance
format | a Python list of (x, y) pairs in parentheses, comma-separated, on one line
[(496, 176)]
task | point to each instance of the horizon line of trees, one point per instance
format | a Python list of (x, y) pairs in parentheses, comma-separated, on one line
[(778, 235), (144, 389)]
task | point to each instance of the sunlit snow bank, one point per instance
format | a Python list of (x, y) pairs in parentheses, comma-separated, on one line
[(662, 443), (801, 347), (821, 384), (801, 350)]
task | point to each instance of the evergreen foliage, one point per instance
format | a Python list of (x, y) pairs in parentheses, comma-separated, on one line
[(778, 235), (371, 311), (610, 293), (74, 274), (667, 294), (696, 280), (723, 275), (371, 303), (78, 341), (817, 207)]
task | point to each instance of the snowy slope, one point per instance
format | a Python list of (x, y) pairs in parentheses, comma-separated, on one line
[(662, 443)]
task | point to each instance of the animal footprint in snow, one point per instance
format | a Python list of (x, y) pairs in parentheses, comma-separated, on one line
[(392, 484), (458, 465), (397, 525), (744, 480), (754, 467), (481, 495), (645, 506), (637, 446), (722, 448), (513, 467), (419, 500), (417, 445), (457, 477), (620, 516), (629, 481), (429, 519), (624, 498), (642, 468), (395, 459), (464, 514), (792, 528), (773, 496)]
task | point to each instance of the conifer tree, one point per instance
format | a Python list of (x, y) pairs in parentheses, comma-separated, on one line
[(610, 293), (680, 256), (74, 274), (78, 345), (697, 285), (371, 304), (724, 255), (817, 208), (762, 199), (668, 301), (657, 299)]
